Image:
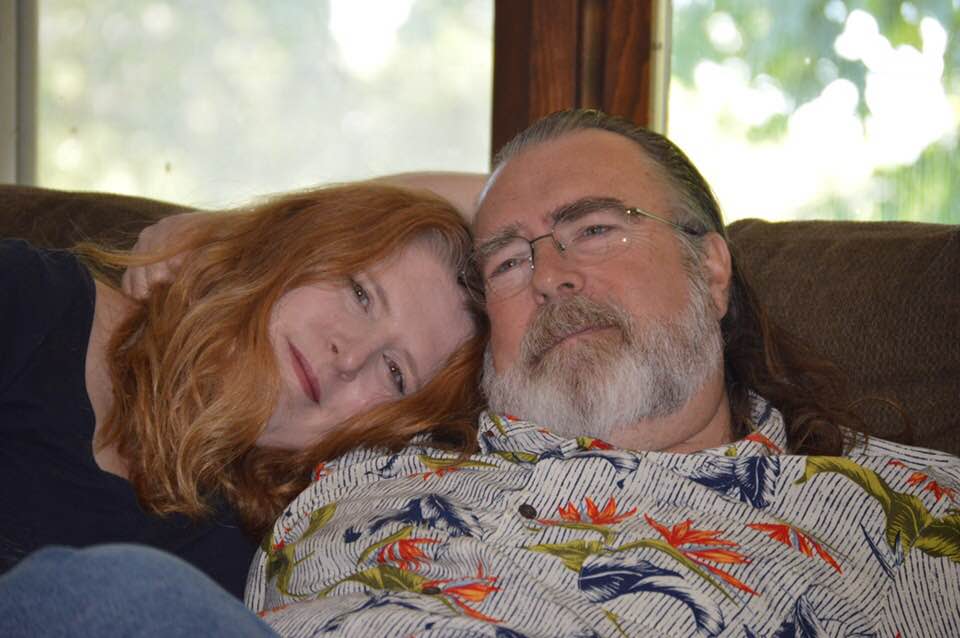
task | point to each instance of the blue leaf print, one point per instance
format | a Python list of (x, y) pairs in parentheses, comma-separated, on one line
[(803, 624), (374, 601), (896, 556), (432, 511), (621, 460), (386, 471), (807, 623), (350, 535), (603, 578), (752, 479)]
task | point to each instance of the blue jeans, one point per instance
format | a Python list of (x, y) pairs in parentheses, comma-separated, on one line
[(117, 590)]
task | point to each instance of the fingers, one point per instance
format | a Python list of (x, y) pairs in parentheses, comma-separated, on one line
[(137, 280)]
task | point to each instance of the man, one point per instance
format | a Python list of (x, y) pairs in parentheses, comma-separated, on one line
[(639, 485), (690, 337), (632, 477)]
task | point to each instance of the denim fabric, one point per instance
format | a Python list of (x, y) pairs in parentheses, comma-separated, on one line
[(117, 590)]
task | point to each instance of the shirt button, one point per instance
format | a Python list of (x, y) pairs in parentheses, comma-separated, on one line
[(527, 511)]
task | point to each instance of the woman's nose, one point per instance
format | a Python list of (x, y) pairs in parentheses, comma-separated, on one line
[(350, 355)]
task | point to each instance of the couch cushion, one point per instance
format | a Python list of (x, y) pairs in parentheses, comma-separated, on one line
[(882, 299), (59, 219)]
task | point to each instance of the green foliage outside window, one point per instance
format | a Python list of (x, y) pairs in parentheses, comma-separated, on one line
[(894, 67), (208, 103)]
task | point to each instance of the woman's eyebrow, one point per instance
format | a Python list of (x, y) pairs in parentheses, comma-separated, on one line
[(381, 295), (414, 371), (409, 361)]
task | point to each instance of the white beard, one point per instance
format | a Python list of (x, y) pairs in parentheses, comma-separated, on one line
[(609, 381)]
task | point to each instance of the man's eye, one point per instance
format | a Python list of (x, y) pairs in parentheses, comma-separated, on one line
[(506, 266), (593, 230), (396, 375), (360, 294)]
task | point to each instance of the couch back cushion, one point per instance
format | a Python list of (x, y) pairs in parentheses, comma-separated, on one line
[(882, 299), (59, 219)]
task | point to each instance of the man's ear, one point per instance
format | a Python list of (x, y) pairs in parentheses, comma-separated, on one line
[(717, 270)]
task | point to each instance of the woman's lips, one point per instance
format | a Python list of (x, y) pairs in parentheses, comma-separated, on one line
[(308, 381)]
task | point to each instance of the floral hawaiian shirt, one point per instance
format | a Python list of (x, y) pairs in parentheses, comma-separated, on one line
[(543, 536)]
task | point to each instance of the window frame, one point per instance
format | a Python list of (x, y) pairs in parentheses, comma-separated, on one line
[(18, 91), (549, 55)]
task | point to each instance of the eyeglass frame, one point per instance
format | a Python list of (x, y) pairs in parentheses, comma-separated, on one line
[(475, 281)]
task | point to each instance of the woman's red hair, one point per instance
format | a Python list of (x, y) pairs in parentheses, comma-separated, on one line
[(193, 370)]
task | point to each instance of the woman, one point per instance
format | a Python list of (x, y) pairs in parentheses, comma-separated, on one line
[(298, 329)]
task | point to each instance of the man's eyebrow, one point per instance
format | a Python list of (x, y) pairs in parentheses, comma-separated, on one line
[(498, 239), (585, 205), (568, 212)]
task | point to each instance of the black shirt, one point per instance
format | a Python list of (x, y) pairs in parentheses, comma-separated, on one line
[(51, 489)]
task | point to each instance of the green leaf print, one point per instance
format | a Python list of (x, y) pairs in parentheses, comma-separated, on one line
[(906, 514), (439, 463), (517, 457), (572, 553), (403, 533), (383, 577), (941, 538), (319, 518)]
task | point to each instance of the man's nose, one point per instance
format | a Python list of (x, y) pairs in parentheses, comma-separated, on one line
[(555, 274)]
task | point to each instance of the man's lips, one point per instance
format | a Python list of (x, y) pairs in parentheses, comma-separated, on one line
[(308, 381), (565, 338), (580, 333)]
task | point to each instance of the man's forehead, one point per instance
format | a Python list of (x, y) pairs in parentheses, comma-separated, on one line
[(532, 185)]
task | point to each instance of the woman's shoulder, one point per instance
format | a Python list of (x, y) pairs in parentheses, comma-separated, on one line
[(38, 289), (24, 267)]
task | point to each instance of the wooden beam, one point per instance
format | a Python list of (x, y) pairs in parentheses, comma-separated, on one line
[(557, 54)]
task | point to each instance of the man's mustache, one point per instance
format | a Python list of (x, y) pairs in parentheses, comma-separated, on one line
[(558, 320)]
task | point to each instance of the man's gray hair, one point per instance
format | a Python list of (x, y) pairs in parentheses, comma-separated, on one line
[(698, 207)]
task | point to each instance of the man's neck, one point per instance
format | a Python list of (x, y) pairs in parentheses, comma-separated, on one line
[(703, 422)]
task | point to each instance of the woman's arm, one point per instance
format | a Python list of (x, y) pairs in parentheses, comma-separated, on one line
[(461, 189)]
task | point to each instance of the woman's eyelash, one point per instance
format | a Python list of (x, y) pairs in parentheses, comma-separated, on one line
[(360, 293), (396, 374)]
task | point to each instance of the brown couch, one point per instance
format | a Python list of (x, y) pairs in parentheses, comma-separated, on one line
[(881, 299)]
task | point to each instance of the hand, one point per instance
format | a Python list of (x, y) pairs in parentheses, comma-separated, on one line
[(138, 280)]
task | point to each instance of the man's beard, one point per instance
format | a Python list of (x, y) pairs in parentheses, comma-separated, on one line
[(609, 381)]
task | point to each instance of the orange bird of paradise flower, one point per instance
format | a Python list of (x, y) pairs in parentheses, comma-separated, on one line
[(606, 516), (684, 534), (460, 592), (783, 533), (405, 553)]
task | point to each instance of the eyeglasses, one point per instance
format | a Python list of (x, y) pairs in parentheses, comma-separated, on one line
[(586, 233)]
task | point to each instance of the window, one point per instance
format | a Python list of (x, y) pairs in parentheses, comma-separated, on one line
[(210, 103), (821, 108)]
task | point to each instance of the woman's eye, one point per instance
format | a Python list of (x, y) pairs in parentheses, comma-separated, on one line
[(396, 375), (360, 294)]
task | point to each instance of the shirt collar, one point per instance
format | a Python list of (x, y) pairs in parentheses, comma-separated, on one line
[(508, 434)]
